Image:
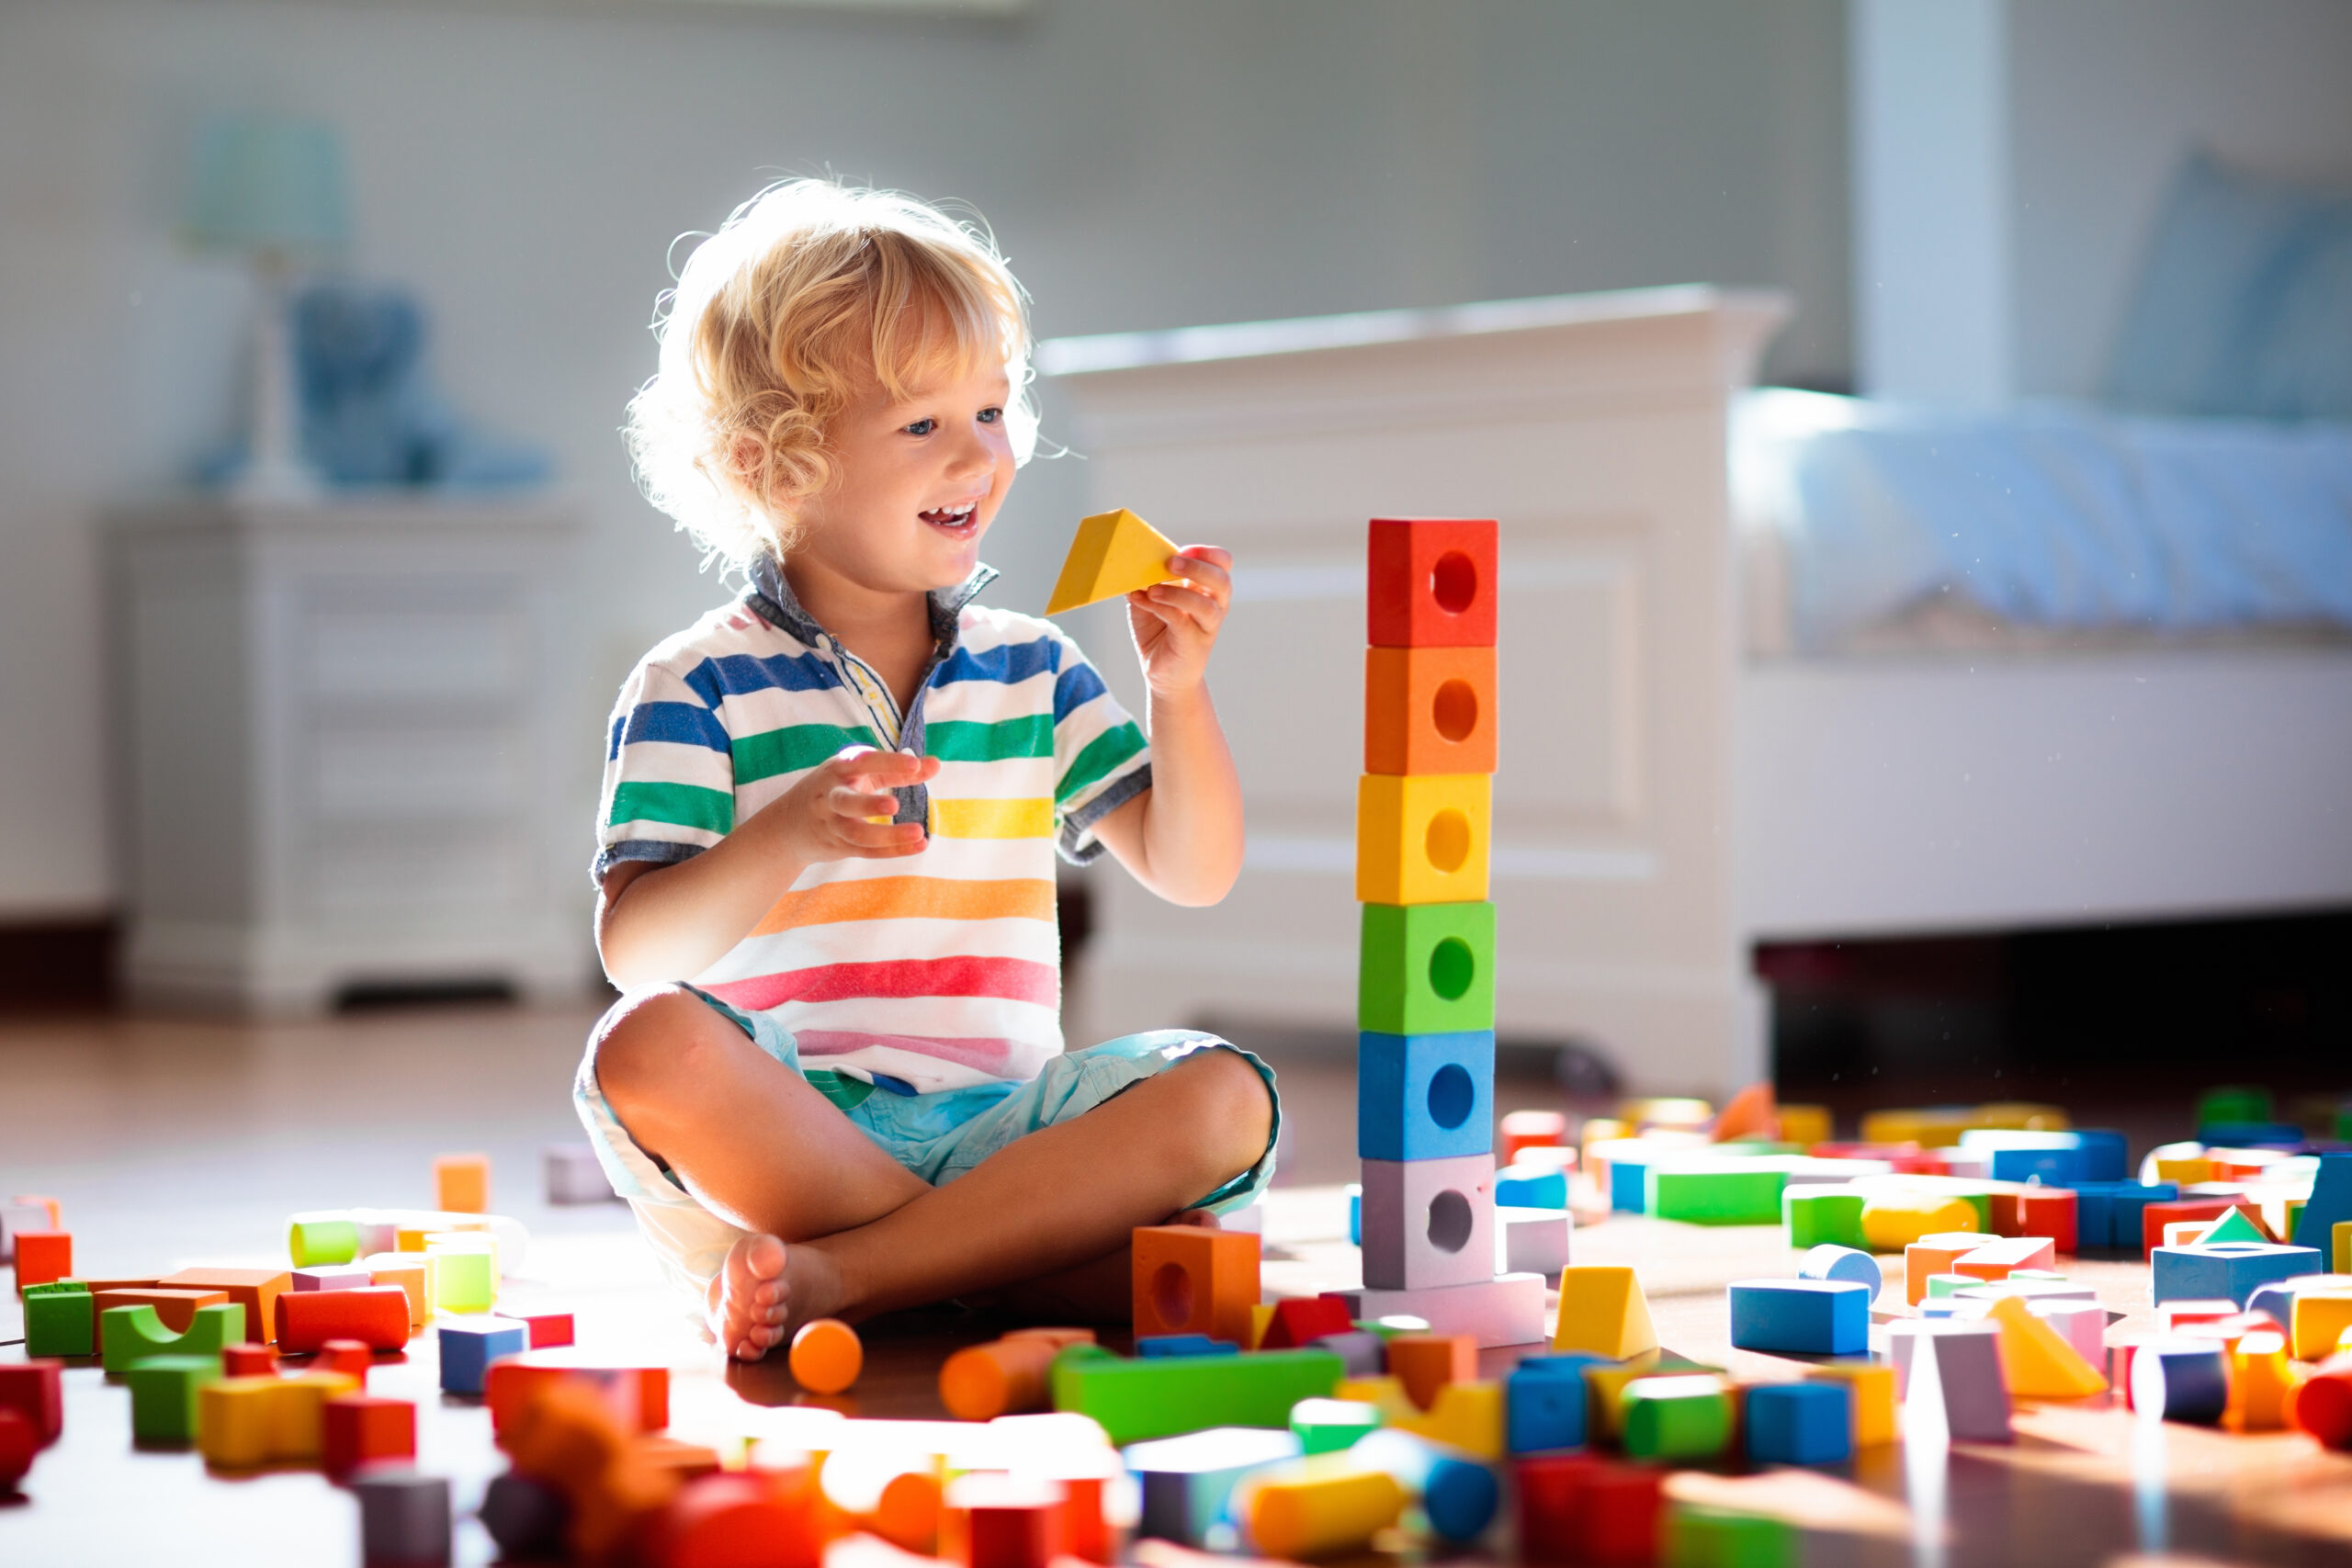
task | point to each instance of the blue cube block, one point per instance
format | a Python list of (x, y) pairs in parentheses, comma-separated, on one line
[(469, 1346), (2250, 1134), (1170, 1345), (2105, 1155), (2107, 1214), (1425, 1096), (1629, 1171), (2051, 1168), (1521, 1188), (2330, 1204), (2181, 1381), (1817, 1318), (1800, 1422), (1544, 1403), (2221, 1270), (1355, 1216)]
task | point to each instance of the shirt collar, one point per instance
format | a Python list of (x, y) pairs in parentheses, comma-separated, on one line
[(770, 596)]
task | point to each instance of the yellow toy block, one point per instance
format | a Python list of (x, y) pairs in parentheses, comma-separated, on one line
[(1804, 1125), (1115, 553), (1603, 1312), (2185, 1172), (2342, 1233), (1422, 838), (1260, 1316), (243, 1423), (2321, 1319), (1874, 1386), (1383, 1393), (1466, 1416), (1893, 1220), (2036, 1360), (2260, 1380), (1324, 1506)]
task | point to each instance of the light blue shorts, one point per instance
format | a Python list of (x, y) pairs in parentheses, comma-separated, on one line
[(939, 1136)]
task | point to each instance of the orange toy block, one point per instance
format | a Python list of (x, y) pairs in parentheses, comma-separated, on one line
[(414, 1278), (376, 1315), (46, 1205), (2037, 1361), (461, 1184), (1425, 1363), (1428, 710), (1748, 1114), (1430, 582), (176, 1309), (638, 1397), (1935, 1255), (2260, 1380), (43, 1258), (255, 1289), (1998, 1259), (826, 1356), (358, 1429), (1188, 1279), (1012, 1376)]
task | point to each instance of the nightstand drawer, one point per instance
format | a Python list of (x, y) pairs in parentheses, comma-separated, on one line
[(417, 771), (431, 638)]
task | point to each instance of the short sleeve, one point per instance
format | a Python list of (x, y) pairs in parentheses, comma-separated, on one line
[(1101, 758), (669, 791)]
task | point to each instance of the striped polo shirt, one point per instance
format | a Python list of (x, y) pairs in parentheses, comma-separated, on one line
[(934, 971)]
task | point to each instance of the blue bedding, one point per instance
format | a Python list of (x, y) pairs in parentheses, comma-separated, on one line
[(2045, 515)]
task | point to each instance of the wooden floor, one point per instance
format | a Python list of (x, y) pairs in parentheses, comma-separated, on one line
[(174, 1143)]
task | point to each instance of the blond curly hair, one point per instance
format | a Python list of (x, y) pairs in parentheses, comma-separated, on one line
[(810, 291)]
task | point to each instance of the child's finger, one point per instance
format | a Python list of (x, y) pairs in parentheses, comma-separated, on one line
[(882, 835), (858, 804), (1201, 609), (1209, 575)]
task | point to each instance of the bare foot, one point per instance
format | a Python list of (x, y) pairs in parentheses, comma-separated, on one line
[(765, 1290)]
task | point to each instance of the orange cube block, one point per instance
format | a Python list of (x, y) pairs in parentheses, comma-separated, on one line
[(1192, 1280), (1935, 1255), (360, 1428), (1425, 1363), (255, 1289), (1428, 710), (461, 1183)]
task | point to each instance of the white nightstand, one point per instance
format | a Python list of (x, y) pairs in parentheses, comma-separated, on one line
[(342, 736)]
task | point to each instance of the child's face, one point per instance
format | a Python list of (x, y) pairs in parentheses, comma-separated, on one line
[(915, 485)]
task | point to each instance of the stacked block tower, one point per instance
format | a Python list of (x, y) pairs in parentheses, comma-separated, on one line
[(1425, 1009)]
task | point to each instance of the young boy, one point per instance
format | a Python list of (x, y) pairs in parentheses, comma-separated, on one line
[(836, 1083)]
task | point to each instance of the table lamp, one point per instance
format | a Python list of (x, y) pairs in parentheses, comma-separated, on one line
[(271, 190)]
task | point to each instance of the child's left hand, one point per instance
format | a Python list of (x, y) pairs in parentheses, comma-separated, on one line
[(1175, 623)]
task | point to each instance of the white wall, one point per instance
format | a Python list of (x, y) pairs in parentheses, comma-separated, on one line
[(1147, 162)]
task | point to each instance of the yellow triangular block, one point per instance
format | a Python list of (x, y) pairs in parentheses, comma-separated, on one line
[(2036, 1360), (1115, 553), (1604, 1313)]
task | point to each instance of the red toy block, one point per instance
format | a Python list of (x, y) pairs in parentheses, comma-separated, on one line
[(2322, 1404), (349, 1357), (376, 1315), (249, 1360), (2037, 1211), (1431, 582), (18, 1447), (1425, 1363), (1302, 1318), (549, 1330), (358, 1429), (1908, 1159), (1550, 1491), (43, 1258), (638, 1397), (1620, 1514), (32, 1389), (1428, 710), (2155, 1217), (1002, 1521), (1530, 1129), (736, 1519)]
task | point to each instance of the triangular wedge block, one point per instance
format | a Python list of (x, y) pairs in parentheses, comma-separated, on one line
[(1603, 1312), (2231, 1226), (2036, 1360), (1748, 1114), (1115, 553)]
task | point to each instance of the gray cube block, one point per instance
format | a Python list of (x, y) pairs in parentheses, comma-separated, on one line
[(1956, 1384), (403, 1516), (573, 1176), (1429, 1222)]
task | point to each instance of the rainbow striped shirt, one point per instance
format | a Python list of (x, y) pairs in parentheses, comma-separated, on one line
[(935, 971)]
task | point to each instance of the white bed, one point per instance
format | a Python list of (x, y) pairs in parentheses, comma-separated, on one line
[(1674, 785)]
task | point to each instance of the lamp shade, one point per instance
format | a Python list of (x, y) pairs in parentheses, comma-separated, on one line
[(268, 185)]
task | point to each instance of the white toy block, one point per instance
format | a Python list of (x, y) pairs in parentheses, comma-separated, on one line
[(1429, 1222), (1250, 1217), (1903, 1337), (1956, 1385), (2081, 1324), (1531, 1241), (573, 1176), (1505, 1310), (403, 1516)]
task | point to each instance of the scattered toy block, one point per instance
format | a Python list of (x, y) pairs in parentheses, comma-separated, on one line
[(1468, 1415), (2342, 1233), (255, 1289), (1823, 1217), (1892, 1221), (1364, 1353), (1532, 1187), (1818, 1317), (2329, 1205), (1427, 1221), (42, 1256), (1831, 1261), (826, 1355), (1956, 1384), (128, 1335), (1458, 1496), (1184, 1483), (314, 1239), (1002, 1521), (2156, 1216), (412, 1272), (1190, 1281), (1114, 553), (1331, 1425), (1008, 1376), (1714, 1191), (2236, 1225), (2319, 1321), (18, 1448), (2050, 1212), (1805, 1125), (1303, 1319), (2181, 1381), (1430, 582), (1262, 1313), (637, 1395), (2037, 1361), (1604, 1313), (2229, 1270), (1137, 1399), (250, 1360), (461, 1184), (1871, 1385), (60, 1320), (1426, 1096), (468, 1348), (357, 1429), (1696, 1534), (243, 1423), (1676, 1417), (1934, 1254), (1528, 1130), (1423, 838), (1531, 1241), (1505, 1310), (1159, 1345), (1317, 1507), (2260, 1380), (1428, 710), (1619, 1514), (549, 1330), (376, 1315), (36, 1391), (573, 1175), (1550, 1488), (525, 1518), (1425, 1363), (2322, 1406), (2082, 1324), (403, 1516), (1545, 1400), (2177, 1315), (1997, 1259), (174, 1309)]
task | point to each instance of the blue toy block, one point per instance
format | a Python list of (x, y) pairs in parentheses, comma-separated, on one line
[(2331, 1202), (2180, 1382), (1829, 1261), (1425, 1096), (2225, 1269), (1800, 1422), (1544, 1402), (2051, 1168), (2107, 1214), (1817, 1318), (2250, 1134), (1629, 1170), (1355, 1216), (1184, 1344), (2105, 1155), (469, 1347), (1531, 1189), (1459, 1498)]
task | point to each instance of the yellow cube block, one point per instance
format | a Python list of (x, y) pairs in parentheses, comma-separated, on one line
[(1423, 838), (235, 1422), (298, 1414), (2321, 1319), (1874, 1386)]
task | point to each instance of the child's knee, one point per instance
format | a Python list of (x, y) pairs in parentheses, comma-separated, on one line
[(1232, 1094), (648, 1037)]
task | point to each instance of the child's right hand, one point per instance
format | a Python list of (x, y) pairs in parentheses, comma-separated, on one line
[(843, 809)]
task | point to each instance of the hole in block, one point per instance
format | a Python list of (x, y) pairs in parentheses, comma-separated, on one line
[(1448, 841), (1453, 968), (1171, 1294), (1451, 1096), (1454, 582), (1454, 710), (1449, 1221)]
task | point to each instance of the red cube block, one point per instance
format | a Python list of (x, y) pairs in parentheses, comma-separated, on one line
[(43, 1258), (249, 1360), (1551, 1489), (360, 1428), (1303, 1319), (2038, 1211), (1620, 1515), (33, 1391), (376, 1315), (1431, 582), (548, 1329), (1003, 1521), (348, 1356)]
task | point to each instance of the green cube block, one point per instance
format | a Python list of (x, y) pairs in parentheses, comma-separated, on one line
[(1700, 1536), (1676, 1417), (134, 1334), (162, 1397), (1816, 1215), (60, 1321), (2234, 1102), (1164, 1396), (1725, 1194), (463, 1281), (314, 1242), (1425, 968)]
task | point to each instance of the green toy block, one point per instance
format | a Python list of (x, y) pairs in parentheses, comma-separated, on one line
[(1425, 968), (314, 1242), (1165, 1395), (1815, 1216), (2343, 1123), (1329, 1425), (1983, 1204), (59, 1321), (2234, 1226), (134, 1334), (162, 1397), (1724, 1193), (1950, 1284), (2233, 1102), (1701, 1536), (464, 1281), (1669, 1417), (1385, 1327)]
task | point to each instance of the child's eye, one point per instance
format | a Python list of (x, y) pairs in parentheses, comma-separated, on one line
[(990, 416), (922, 427)]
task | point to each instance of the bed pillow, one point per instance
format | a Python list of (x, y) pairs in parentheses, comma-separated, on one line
[(2244, 305)]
